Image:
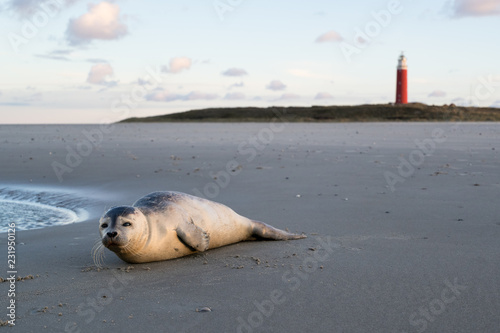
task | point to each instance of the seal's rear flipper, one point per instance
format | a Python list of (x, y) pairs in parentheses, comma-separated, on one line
[(260, 230)]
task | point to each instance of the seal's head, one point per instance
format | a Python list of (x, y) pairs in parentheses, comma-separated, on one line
[(123, 229)]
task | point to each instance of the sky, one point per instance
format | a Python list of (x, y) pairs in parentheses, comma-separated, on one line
[(76, 61)]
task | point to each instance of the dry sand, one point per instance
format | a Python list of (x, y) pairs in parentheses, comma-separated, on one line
[(420, 252)]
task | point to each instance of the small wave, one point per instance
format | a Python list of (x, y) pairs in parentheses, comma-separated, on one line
[(34, 209)]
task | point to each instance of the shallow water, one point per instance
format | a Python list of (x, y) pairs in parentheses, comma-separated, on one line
[(34, 209), (29, 215)]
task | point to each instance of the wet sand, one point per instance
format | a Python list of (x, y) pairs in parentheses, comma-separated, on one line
[(402, 224)]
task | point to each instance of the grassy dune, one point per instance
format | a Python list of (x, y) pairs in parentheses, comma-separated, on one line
[(360, 113)]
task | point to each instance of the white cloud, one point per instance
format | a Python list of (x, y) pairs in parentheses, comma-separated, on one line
[(23, 7), (323, 95), (143, 82), (235, 96), (330, 36), (56, 55), (33, 97), (101, 22), (26, 8), (178, 65), (287, 97), (162, 95), (99, 73), (476, 7), (237, 85), (437, 93), (24, 99), (459, 101), (496, 104), (276, 85), (234, 72), (195, 95)]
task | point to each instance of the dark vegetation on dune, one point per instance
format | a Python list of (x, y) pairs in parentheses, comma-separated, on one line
[(367, 113)]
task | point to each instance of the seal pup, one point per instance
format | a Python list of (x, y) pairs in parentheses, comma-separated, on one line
[(168, 225)]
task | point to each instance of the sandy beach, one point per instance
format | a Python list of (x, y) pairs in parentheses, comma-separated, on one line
[(402, 224)]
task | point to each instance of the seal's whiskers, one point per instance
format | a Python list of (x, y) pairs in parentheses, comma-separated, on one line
[(98, 253), (130, 249)]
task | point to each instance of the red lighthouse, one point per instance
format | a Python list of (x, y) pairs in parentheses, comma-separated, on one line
[(402, 84)]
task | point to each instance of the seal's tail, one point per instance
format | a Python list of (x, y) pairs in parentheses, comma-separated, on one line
[(260, 230)]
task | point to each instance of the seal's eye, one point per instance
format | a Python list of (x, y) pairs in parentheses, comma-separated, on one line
[(104, 225), (127, 224)]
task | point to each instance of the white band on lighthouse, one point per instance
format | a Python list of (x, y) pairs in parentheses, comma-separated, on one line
[(402, 62)]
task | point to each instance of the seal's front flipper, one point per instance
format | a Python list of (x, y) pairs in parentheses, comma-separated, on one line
[(193, 236)]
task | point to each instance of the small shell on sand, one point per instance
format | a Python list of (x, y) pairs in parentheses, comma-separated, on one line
[(204, 309)]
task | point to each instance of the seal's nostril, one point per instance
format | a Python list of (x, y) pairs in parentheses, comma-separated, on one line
[(112, 234)]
